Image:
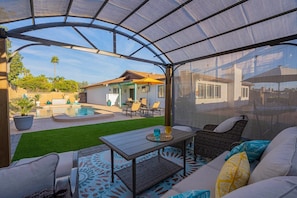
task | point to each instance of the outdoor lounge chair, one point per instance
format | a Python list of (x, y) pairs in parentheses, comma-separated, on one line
[(143, 102), (133, 109), (213, 140), (155, 107)]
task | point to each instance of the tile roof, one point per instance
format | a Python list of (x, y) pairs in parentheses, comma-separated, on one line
[(128, 76)]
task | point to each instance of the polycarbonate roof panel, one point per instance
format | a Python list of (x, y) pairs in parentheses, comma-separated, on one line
[(50, 8), (116, 10), (85, 8), (9, 13), (183, 30)]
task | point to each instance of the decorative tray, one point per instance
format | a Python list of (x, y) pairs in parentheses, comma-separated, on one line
[(163, 137)]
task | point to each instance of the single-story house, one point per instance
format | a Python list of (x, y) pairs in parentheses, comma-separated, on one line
[(118, 90)]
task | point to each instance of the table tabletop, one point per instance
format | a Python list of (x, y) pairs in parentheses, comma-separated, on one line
[(133, 144)]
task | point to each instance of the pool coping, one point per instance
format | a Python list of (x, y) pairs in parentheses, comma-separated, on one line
[(66, 118)]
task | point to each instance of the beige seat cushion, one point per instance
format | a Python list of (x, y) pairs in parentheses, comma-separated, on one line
[(277, 187), (202, 179)]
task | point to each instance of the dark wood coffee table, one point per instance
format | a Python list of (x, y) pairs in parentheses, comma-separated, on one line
[(133, 144)]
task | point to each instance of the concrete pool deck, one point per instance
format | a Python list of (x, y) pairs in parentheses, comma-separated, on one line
[(41, 124)]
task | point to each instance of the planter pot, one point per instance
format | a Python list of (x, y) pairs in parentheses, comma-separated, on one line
[(37, 103), (23, 122)]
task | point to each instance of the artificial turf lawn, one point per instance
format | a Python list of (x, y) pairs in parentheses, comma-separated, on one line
[(75, 138)]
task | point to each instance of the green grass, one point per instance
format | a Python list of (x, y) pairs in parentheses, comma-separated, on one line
[(75, 138)]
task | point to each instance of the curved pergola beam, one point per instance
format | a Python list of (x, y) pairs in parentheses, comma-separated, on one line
[(19, 49), (17, 33)]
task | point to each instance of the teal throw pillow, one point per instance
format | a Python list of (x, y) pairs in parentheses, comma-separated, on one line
[(253, 149), (193, 194)]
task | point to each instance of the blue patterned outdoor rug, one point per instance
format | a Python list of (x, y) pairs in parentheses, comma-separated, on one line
[(95, 174)]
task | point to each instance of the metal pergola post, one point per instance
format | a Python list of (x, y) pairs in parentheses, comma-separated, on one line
[(4, 106), (168, 95)]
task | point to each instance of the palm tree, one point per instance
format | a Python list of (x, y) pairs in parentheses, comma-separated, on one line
[(55, 60)]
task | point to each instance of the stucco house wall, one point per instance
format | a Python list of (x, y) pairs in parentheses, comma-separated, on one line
[(97, 95)]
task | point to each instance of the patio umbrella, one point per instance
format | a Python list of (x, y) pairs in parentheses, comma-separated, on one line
[(276, 75), (148, 81)]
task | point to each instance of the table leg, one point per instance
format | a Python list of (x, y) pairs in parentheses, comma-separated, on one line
[(112, 165), (134, 177), (185, 153)]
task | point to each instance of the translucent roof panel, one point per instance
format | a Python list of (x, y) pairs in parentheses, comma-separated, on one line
[(180, 30), (50, 8)]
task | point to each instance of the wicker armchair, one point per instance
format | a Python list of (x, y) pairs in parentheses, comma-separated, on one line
[(210, 144)]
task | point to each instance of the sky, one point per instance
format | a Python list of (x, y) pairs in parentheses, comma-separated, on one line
[(78, 65)]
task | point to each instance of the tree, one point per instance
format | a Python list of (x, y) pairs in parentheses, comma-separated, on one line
[(63, 85), (55, 60), (31, 83), (16, 69), (81, 85), (16, 65)]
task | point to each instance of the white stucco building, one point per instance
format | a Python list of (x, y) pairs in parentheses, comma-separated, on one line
[(120, 89)]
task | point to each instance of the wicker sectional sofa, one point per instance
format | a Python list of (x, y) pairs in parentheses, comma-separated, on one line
[(273, 175)]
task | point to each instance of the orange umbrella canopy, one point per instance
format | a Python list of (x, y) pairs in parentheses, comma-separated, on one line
[(148, 80)]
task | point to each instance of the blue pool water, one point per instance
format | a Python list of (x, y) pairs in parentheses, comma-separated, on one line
[(70, 111)]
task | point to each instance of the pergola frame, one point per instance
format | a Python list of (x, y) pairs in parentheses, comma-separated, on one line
[(134, 10)]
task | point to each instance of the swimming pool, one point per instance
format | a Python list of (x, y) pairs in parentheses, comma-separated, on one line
[(73, 111)]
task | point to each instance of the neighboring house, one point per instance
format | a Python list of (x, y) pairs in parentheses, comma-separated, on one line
[(229, 91), (118, 90)]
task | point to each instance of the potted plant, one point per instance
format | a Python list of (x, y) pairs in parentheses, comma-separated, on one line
[(36, 98), (24, 121), (76, 98)]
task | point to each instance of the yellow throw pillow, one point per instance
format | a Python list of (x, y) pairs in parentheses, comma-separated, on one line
[(234, 174)]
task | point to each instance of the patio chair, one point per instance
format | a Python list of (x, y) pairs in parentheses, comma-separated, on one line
[(143, 106), (143, 102), (213, 140), (133, 109), (155, 107), (129, 102)]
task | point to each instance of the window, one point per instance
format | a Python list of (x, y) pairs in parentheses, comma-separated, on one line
[(145, 89), (115, 90), (161, 91), (209, 91), (217, 91), (201, 90), (244, 92)]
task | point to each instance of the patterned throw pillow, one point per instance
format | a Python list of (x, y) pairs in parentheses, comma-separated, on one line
[(253, 149), (233, 175), (193, 194)]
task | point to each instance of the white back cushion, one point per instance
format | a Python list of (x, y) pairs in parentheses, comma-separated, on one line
[(277, 162), (284, 135), (27, 179), (227, 124)]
